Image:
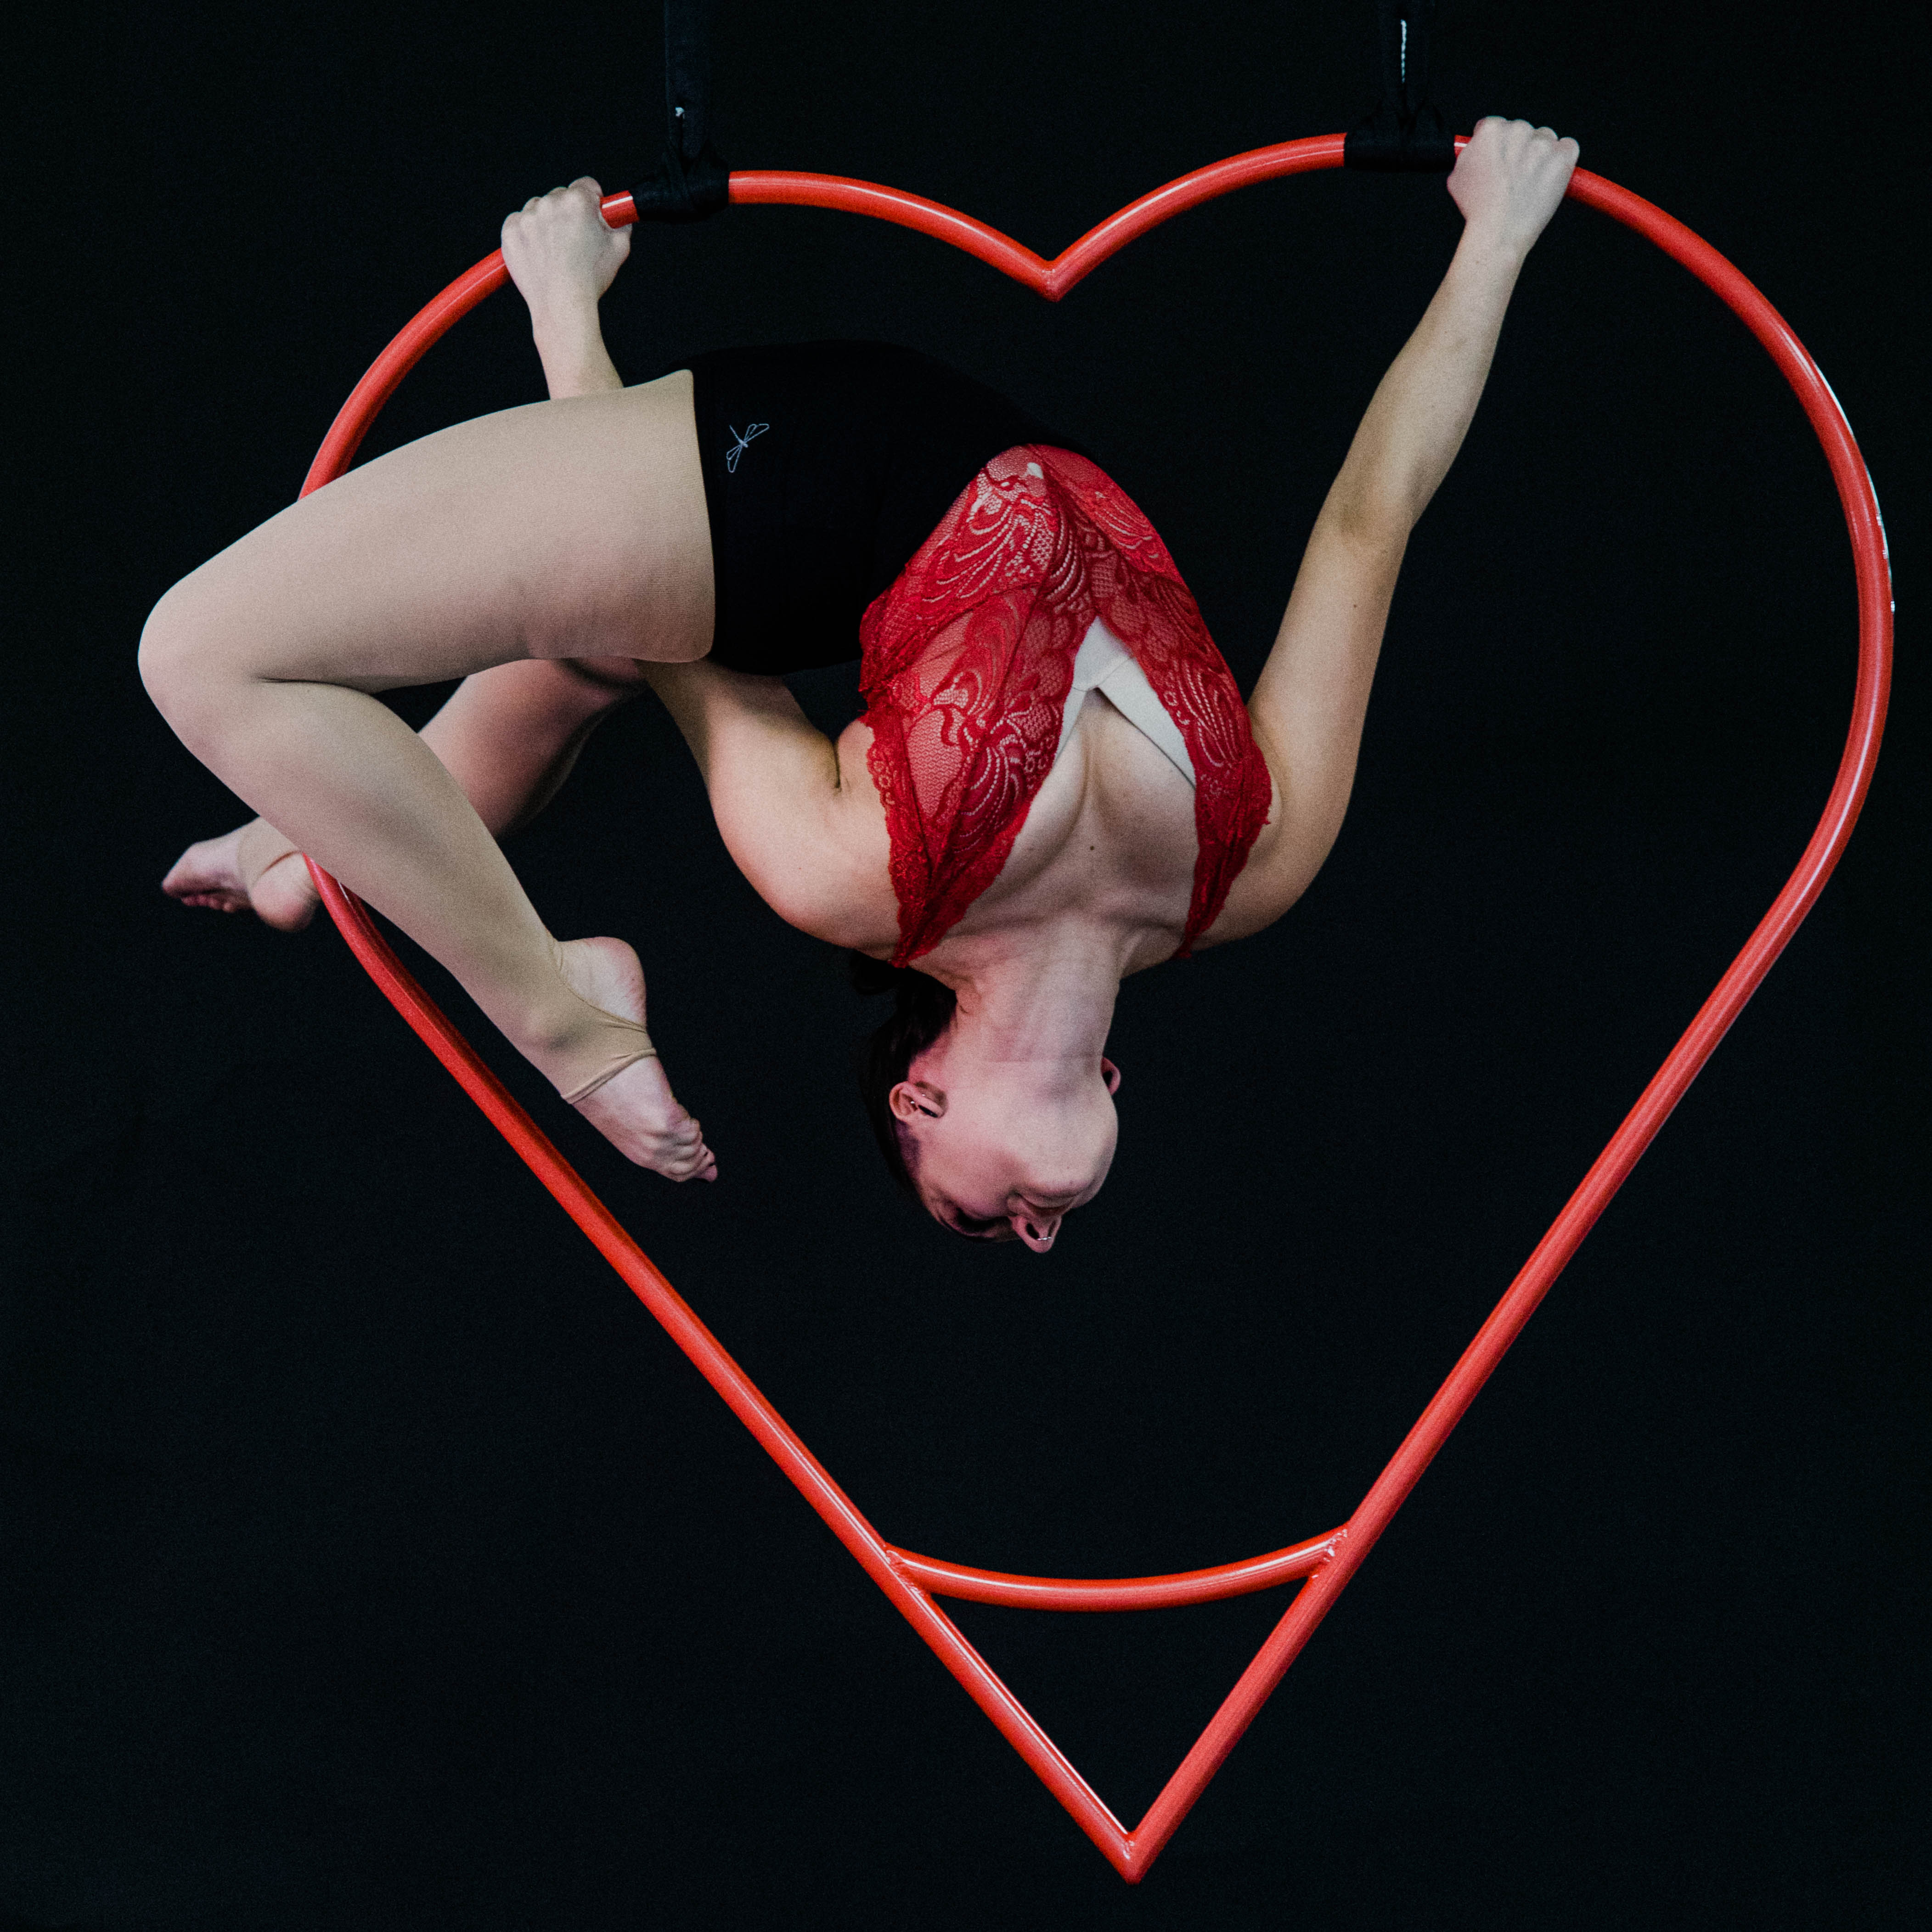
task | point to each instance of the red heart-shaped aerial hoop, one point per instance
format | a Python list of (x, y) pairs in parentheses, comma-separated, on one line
[(1328, 1561)]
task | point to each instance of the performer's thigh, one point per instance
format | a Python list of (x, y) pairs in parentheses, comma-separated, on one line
[(569, 529)]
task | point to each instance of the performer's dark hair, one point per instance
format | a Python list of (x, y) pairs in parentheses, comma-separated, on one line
[(922, 1011)]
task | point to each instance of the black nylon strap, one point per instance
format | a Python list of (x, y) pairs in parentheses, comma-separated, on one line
[(688, 72), (1406, 134), (692, 181)]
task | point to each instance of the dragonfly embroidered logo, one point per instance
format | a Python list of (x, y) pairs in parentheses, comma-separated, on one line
[(741, 444)]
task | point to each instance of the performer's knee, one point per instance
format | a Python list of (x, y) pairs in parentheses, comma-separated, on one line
[(182, 666)]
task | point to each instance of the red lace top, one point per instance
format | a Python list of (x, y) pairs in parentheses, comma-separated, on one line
[(967, 660)]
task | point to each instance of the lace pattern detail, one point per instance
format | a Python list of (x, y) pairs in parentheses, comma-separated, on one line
[(967, 660)]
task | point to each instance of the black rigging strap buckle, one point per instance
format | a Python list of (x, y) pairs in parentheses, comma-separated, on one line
[(692, 181), (1406, 134)]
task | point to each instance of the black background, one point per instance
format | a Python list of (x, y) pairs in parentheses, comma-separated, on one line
[(371, 1560)]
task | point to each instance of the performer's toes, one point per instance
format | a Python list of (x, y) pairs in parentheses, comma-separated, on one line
[(221, 875), (205, 875)]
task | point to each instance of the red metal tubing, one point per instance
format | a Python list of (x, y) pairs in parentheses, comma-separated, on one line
[(1686, 1059), (1051, 279), (774, 1435), (910, 1581), (1121, 1593), (422, 330), (752, 187)]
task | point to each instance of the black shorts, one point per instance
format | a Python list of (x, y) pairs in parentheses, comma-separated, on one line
[(826, 465)]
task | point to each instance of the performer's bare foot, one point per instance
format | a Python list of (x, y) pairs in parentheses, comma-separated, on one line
[(634, 1110), (252, 869)]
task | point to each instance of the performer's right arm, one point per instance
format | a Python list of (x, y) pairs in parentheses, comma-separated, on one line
[(1308, 704)]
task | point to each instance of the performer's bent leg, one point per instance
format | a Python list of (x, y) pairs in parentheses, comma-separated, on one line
[(508, 736), (569, 529)]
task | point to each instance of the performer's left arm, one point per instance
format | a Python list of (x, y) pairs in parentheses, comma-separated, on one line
[(1307, 708), (510, 735), (563, 256)]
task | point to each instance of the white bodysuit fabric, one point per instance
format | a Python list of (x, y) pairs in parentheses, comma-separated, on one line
[(1104, 664)]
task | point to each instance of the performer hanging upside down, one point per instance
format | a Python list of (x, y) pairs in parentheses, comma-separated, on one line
[(1055, 783)]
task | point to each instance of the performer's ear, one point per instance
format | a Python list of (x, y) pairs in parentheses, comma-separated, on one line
[(916, 1100), (1111, 1074)]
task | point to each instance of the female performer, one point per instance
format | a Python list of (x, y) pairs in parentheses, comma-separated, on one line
[(1055, 783)]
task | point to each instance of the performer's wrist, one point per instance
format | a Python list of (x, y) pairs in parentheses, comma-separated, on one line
[(570, 344)]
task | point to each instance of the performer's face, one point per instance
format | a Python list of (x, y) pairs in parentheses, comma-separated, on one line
[(1003, 1159)]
